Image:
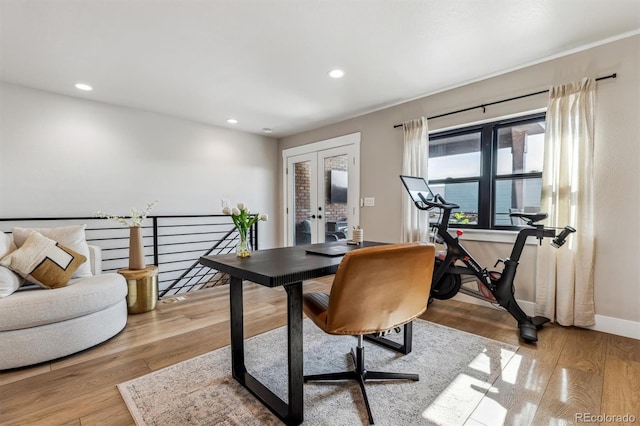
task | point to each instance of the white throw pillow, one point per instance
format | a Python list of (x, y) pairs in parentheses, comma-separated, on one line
[(72, 237), (9, 282), (43, 261), (6, 245)]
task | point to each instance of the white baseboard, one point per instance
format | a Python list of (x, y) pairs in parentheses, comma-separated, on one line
[(617, 326)]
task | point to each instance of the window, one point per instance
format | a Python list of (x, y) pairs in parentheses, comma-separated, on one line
[(489, 170)]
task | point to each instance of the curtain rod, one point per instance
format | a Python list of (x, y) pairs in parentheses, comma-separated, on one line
[(483, 106)]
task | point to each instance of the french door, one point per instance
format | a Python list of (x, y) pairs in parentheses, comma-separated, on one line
[(322, 187)]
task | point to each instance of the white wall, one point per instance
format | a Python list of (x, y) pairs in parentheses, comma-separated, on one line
[(64, 156), (617, 157)]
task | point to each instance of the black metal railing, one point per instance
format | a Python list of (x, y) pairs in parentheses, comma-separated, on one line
[(173, 243)]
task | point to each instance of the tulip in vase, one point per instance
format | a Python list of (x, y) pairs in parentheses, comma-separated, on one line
[(243, 221)]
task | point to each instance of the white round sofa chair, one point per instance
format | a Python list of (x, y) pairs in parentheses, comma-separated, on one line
[(38, 324)]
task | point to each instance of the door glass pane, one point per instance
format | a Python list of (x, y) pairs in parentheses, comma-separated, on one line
[(465, 195), (336, 211), (516, 195), (521, 148), (454, 156), (302, 203)]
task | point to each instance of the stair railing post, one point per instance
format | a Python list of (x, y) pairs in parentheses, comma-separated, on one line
[(155, 240)]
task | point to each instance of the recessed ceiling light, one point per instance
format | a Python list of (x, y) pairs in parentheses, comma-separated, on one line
[(232, 121), (84, 86), (336, 73), (267, 130)]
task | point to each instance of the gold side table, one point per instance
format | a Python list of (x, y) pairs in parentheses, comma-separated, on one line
[(143, 289)]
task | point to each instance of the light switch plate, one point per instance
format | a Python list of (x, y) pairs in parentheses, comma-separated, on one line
[(369, 201)]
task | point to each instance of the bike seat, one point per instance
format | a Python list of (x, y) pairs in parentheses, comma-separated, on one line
[(530, 217)]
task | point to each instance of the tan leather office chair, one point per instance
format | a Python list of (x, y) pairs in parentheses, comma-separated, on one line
[(375, 289)]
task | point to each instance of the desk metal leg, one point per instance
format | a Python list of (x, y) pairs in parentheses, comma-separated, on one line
[(291, 413), (294, 329), (237, 329), (403, 348)]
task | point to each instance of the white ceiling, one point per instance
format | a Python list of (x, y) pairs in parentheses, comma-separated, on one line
[(265, 62)]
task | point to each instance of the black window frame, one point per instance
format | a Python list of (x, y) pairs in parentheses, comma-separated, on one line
[(488, 178)]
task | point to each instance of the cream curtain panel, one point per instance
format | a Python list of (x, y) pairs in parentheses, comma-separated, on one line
[(564, 282), (415, 224)]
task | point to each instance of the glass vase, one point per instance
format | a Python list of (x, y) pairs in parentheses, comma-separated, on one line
[(243, 249)]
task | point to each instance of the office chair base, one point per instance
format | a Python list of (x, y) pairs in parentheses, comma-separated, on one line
[(361, 375)]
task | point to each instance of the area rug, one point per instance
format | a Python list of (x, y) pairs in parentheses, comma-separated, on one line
[(456, 370)]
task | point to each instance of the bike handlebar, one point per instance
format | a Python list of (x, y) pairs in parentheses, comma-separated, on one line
[(561, 238), (442, 204)]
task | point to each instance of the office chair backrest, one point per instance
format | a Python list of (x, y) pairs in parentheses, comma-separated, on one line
[(379, 288)]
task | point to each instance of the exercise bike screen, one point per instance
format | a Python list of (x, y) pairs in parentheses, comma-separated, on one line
[(416, 185)]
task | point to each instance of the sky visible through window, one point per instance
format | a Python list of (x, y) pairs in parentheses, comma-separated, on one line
[(468, 164)]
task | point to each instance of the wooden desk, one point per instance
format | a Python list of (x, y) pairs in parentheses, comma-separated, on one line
[(287, 267)]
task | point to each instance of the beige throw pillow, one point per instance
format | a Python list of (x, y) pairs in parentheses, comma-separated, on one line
[(72, 237), (44, 261)]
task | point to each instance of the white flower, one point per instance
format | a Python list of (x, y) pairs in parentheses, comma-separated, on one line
[(136, 217), (242, 218)]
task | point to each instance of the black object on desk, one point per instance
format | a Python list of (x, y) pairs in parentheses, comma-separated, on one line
[(332, 250), (287, 267)]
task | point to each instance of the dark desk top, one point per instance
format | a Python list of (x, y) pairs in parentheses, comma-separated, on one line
[(279, 266)]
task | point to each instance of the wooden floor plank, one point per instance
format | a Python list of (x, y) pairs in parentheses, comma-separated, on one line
[(584, 350), (621, 389), (569, 392), (515, 395), (63, 395), (10, 376), (623, 348)]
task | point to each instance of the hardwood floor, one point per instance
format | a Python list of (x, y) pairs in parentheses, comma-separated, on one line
[(569, 371)]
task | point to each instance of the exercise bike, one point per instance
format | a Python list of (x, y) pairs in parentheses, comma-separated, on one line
[(454, 264)]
